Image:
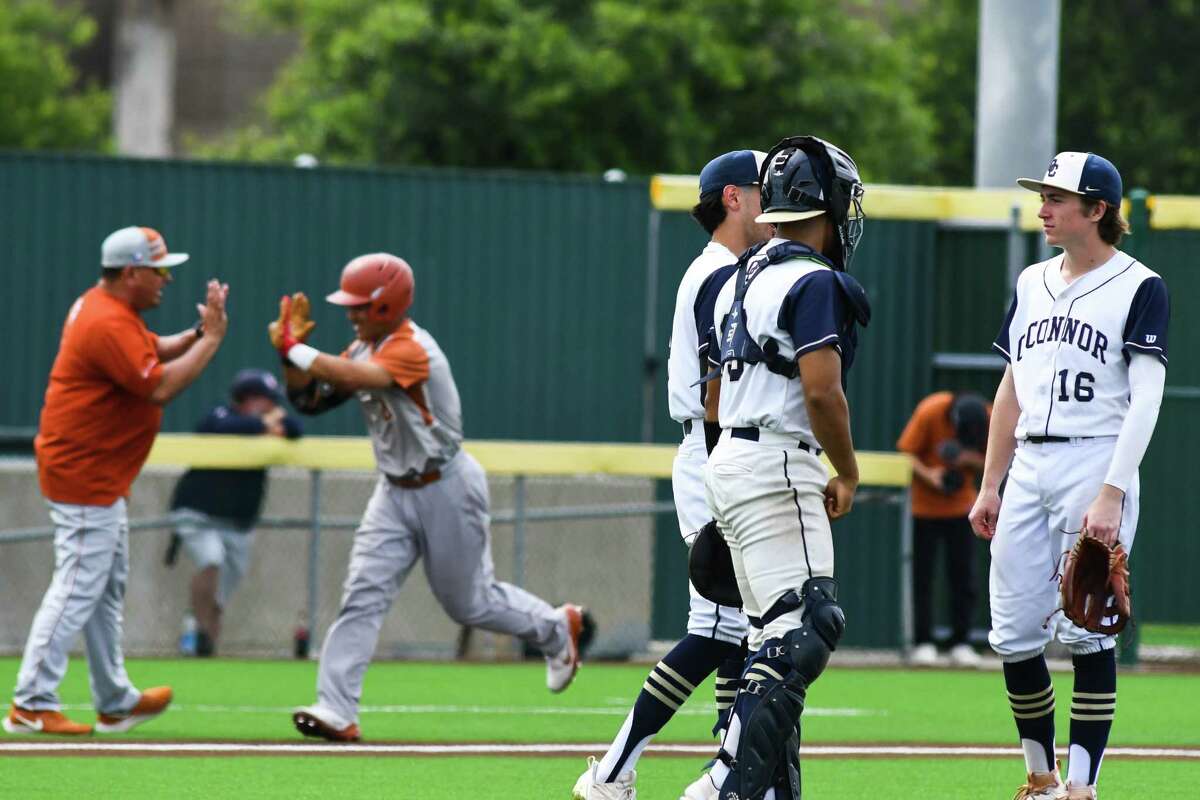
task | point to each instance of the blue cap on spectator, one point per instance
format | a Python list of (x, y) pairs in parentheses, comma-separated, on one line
[(1085, 174), (740, 168), (255, 382)]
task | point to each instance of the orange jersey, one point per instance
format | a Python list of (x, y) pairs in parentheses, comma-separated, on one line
[(98, 422), (930, 426)]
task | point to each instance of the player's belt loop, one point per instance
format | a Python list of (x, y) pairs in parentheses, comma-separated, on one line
[(414, 481), (756, 434)]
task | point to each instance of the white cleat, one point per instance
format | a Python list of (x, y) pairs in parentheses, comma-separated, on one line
[(588, 788), (702, 788), (1042, 786), (562, 666), (923, 655), (963, 655)]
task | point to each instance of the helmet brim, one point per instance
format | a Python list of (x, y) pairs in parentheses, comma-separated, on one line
[(787, 216), (343, 298)]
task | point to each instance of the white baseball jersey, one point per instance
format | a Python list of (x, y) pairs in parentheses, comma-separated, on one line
[(1069, 344), (416, 424), (798, 304), (683, 366)]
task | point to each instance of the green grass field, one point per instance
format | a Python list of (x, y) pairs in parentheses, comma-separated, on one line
[(249, 701)]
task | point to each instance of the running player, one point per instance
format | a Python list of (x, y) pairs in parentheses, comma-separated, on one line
[(1086, 343), (431, 500)]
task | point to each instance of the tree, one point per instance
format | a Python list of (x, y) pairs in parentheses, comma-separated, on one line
[(583, 85), (1127, 89), (44, 107), (944, 38), (1126, 82)]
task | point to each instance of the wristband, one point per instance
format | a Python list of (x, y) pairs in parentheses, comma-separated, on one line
[(712, 434), (198, 329), (303, 356)]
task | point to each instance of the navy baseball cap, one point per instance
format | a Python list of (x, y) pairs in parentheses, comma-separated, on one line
[(258, 382), (1084, 174), (739, 167)]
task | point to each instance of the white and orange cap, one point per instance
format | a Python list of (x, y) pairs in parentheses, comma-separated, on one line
[(138, 247)]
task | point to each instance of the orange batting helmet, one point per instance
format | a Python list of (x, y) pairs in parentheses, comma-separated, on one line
[(381, 280)]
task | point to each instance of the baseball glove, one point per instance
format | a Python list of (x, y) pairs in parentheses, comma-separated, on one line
[(294, 316), (710, 567), (1095, 586)]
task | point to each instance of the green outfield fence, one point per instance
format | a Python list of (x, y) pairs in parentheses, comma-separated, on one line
[(552, 297)]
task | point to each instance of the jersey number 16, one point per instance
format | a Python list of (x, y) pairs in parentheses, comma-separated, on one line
[(1083, 386)]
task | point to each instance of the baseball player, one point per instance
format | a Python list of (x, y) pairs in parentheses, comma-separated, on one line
[(103, 408), (1086, 343), (728, 205), (214, 510), (781, 324), (431, 499)]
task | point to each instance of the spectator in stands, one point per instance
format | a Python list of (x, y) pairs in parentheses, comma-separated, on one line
[(215, 510)]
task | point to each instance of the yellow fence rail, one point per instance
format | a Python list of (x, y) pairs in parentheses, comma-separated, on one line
[(497, 457)]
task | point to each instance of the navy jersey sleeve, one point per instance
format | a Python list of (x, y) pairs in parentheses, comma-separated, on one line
[(704, 308), (814, 312), (1001, 344), (222, 419), (292, 428), (1146, 327)]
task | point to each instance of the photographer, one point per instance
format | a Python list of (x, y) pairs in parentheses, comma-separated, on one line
[(945, 440)]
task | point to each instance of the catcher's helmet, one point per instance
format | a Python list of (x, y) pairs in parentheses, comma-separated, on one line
[(381, 280), (803, 177)]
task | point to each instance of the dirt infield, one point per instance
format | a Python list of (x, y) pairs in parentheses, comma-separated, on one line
[(92, 748)]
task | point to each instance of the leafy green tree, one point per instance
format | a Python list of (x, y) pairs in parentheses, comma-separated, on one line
[(1127, 82), (1128, 89), (583, 85), (44, 107), (943, 36)]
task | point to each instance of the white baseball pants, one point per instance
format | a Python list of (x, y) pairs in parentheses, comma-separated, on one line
[(1050, 487), (768, 500), (705, 618)]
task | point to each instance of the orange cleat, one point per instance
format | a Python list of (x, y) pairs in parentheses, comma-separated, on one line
[(321, 723), (152, 703), (23, 721)]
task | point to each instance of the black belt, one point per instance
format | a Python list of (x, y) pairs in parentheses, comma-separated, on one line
[(687, 427), (414, 481), (1046, 439), (751, 434)]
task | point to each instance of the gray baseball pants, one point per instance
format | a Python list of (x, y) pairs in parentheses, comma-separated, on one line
[(447, 522), (87, 592)]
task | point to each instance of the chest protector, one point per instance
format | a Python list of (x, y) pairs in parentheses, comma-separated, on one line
[(737, 345)]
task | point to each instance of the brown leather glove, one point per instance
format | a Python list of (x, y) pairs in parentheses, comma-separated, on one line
[(1095, 586)]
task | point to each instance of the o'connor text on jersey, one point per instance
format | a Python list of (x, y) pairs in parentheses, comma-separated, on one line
[(1063, 329)]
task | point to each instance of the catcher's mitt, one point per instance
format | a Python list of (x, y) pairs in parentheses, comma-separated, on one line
[(293, 316), (710, 567), (1095, 586)]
